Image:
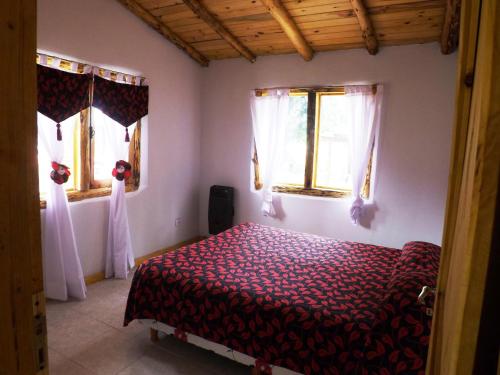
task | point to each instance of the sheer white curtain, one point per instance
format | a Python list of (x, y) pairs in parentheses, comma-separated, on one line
[(269, 117), (109, 135), (63, 275), (365, 111)]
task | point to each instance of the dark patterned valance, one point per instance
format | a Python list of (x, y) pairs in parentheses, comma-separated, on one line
[(124, 103), (61, 94)]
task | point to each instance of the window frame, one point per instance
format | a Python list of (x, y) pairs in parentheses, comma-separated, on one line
[(85, 186), (134, 158), (313, 126)]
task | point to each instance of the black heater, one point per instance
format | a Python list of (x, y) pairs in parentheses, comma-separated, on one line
[(220, 209)]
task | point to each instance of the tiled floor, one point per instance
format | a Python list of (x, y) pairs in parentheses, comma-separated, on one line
[(87, 338)]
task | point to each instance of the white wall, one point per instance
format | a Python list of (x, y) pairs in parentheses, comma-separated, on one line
[(412, 175), (415, 136), (106, 34)]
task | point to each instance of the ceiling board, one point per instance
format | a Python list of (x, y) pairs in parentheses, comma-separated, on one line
[(325, 24)]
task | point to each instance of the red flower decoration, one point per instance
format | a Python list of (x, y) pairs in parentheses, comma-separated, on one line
[(122, 170), (180, 334), (263, 367), (60, 173)]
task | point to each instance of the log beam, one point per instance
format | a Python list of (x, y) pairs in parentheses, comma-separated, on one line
[(280, 14), (164, 30), (211, 21), (449, 35), (366, 25)]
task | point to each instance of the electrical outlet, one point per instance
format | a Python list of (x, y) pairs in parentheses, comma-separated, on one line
[(177, 222)]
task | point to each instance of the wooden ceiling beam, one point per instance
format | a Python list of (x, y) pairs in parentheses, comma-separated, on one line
[(211, 21), (451, 26), (164, 30), (366, 25), (280, 14)]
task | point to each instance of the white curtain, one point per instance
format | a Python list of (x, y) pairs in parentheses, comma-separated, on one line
[(365, 112), (269, 117), (111, 145), (63, 275)]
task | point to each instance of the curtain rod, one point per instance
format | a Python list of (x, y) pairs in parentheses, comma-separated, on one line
[(82, 65), (339, 88), (300, 88)]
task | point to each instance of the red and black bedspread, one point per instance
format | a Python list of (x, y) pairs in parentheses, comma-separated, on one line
[(304, 302)]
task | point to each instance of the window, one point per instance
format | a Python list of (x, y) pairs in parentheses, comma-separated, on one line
[(86, 150), (316, 156), (71, 128), (104, 132), (295, 143)]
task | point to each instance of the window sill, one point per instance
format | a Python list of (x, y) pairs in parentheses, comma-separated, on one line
[(312, 192), (75, 196)]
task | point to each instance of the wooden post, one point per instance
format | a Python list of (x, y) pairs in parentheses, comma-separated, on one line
[(311, 131), (84, 150), (468, 240), (23, 340)]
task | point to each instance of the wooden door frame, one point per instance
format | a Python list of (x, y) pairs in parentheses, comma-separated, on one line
[(473, 190), (23, 346)]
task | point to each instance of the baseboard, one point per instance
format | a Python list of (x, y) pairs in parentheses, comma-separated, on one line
[(91, 279), (166, 250), (99, 276)]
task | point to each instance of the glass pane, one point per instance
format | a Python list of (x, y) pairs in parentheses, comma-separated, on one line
[(333, 163), (294, 160), (70, 143), (109, 144)]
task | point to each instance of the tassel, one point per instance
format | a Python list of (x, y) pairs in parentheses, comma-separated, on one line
[(127, 138), (59, 134)]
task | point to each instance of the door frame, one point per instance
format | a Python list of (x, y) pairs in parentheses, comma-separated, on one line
[(23, 340), (473, 189)]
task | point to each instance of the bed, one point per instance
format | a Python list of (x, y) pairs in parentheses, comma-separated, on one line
[(289, 300)]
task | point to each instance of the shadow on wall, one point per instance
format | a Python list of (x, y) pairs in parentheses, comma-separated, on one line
[(368, 215)]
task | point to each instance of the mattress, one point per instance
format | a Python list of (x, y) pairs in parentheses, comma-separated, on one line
[(303, 302)]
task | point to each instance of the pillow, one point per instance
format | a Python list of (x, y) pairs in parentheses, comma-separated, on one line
[(418, 256), (417, 267), (399, 336)]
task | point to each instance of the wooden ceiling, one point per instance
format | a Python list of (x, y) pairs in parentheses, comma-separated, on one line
[(220, 29)]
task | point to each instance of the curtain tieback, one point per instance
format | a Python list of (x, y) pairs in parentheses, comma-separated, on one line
[(357, 209), (267, 203)]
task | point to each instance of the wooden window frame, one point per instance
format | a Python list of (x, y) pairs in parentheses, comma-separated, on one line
[(85, 186), (313, 124)]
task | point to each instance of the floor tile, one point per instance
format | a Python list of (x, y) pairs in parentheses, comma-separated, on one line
[(111, 352), (88, 338), (75, 333), (60, 365), (160, 362), (58, 312)]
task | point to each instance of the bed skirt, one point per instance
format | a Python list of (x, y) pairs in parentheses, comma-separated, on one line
[(219, 349)]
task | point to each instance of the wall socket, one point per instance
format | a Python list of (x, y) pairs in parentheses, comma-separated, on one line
[(177, 222)]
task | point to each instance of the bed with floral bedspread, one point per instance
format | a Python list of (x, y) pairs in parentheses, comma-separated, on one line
[(303, 302)]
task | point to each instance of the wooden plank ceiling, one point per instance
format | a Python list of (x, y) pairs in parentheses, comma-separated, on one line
[(221, 29)]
